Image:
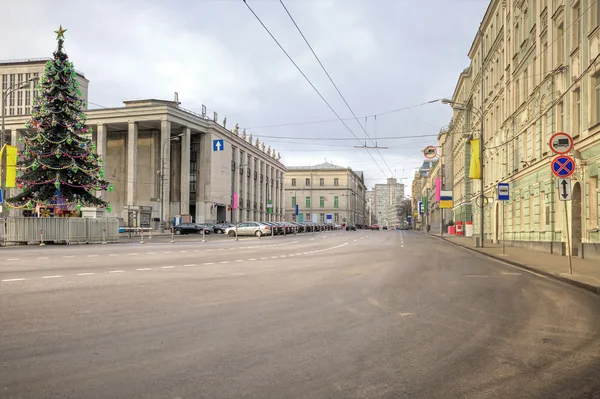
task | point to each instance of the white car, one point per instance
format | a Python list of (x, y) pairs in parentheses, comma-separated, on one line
[(249, 229)]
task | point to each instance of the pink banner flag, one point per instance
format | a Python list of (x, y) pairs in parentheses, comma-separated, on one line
[(235, 201), (438, 188)]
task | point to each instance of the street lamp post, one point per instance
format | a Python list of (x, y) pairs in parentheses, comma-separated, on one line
[(162, 177), (5, 93), (479, 112)]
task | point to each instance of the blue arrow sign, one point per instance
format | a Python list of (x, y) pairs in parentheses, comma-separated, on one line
[(218, 145), (563, 166)]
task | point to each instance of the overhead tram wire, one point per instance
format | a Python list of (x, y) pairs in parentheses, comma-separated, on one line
[(336, 88), (308, 80)]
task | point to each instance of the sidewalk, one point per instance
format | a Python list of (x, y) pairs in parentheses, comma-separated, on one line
[(586, 273)]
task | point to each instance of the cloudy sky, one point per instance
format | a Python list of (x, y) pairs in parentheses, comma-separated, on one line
[(383, 55)]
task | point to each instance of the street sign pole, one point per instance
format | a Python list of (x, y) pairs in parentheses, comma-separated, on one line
[(568, 238), (503, 219)]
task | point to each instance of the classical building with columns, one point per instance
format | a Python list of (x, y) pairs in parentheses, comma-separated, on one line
[(170, 161)]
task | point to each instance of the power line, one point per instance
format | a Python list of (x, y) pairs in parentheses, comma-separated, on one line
[(307, 79), (345, 138), (334, 85)]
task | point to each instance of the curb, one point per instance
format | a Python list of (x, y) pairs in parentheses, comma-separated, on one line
[(588, 287)]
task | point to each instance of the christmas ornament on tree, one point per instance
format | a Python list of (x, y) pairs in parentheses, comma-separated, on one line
[(59, 142)]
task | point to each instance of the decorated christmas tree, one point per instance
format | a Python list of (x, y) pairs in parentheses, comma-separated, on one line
[(59, 164)]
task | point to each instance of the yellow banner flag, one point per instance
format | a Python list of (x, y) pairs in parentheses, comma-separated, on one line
[(475, 168), (11, 165)]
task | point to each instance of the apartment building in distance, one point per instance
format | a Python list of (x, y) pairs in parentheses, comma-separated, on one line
[(325, 192), (385, 196), (14, 74), (534, 71)]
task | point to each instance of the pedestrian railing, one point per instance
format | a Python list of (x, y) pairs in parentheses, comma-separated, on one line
[(60, 230)]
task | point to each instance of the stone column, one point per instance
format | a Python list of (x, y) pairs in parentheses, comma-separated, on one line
[(132, 145), (165, 164), (185, 171), (101, 145), (244, 189), (203, 185), (235, 187), (281, 203), (251, 187), (267, 185)]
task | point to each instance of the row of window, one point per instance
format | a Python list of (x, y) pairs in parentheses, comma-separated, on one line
[(336, 217), (336, 202), (336, 182)]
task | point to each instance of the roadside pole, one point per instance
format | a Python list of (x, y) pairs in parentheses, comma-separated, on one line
[(503, 222), (568, 238), (203, 235), (172, 235)]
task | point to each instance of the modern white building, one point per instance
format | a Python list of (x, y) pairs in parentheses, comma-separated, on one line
[(386, 195)]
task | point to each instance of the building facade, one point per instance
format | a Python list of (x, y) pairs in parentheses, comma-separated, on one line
[(170, 161), (386, 195), (534, 71), (14, 73), (323, 190)]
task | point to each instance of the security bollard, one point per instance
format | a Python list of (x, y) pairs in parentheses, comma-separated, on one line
[(42, 238), (103, 236), (172, 235), (142, 240), (203, 235)]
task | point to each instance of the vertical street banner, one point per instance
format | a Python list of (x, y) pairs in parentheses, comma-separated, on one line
[(475, 168), (270, 206), (235, 201), (438, 188), (425, 207), (11, 165)]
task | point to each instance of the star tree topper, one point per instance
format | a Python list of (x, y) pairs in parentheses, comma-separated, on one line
[(60, 33)]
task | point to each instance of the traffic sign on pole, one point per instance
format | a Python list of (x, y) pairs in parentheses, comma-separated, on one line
[(503, 192), (430, 152), (561, 143), (563, 166), (564, 189)]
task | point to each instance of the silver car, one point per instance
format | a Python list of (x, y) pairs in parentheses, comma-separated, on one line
[(249, 229)]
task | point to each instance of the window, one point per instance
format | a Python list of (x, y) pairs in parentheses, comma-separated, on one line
[(307, 182), (560, 44), (544, 57), (560, 116), (336, 181), (322, 217), (531, 213), (293, 182), (518, 93), (577, 112), (544, 130), (307, 217), (576, 17), (522, 214), (308, 202), (597, 98), (293, 202), (321, 202), (593, 206), (336, 217), (525, 84), (335, 202), (542, 217)]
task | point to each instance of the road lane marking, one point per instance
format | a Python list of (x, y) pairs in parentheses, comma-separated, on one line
[(167, 267), (273, 257), (133, 254), (144, 268), (151, 253), (117, 271), (85, 274), (92, 256), (239, 260), (225, 261), (404, 314), (264, 258), (113, 255), (55, 276), (43, 257), (12, 279), (209, 263), (13, 259), (66, 257), (166, 252), (510, 273), (190, 265), (252, 259), (182, 251)]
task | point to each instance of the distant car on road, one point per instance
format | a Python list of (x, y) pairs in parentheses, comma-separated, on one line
[(375, 227), (350, 227), (249, 229)]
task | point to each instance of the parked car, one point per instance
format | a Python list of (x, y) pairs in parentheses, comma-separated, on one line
[(220, 228), (249, 229), (350, 227), (375, 227), (190, 228), (385, 227)]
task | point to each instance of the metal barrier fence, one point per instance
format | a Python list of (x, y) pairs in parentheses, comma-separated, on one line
[(61, 230)]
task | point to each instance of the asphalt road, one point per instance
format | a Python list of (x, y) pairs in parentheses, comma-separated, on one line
[(347, 315)]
